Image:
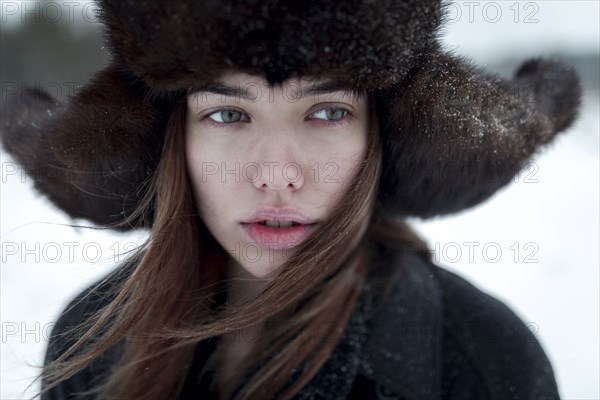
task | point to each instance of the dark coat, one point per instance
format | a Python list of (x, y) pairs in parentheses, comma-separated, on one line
[(428, 335)]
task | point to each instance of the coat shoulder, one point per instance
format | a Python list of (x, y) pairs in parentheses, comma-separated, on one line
[(66, 332), (485, 337), (433, 334)]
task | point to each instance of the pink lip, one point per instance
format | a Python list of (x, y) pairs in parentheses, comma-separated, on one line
[(279, 238), (279, 214)]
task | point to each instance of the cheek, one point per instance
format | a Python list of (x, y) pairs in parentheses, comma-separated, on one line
[(199, 171), (213, 192), (336, 169), (193, 161), (335, 180)]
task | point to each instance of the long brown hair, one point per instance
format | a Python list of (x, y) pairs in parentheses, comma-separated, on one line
[(166, 306)]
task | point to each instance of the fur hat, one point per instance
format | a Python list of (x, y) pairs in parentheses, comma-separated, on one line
[(453, 134)]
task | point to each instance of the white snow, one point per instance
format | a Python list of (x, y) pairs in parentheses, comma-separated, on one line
[(489, 30), (553, 222)]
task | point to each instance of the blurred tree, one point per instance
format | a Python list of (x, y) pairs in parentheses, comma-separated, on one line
[(42, 46)]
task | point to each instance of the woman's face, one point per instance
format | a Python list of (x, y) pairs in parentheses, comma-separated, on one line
[(284, 155)]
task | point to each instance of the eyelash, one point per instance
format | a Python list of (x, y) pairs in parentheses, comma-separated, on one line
[(345, 120)]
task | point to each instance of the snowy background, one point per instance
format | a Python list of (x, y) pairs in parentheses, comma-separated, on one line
[(534, 245)]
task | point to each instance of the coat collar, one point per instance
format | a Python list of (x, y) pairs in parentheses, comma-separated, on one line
[(394, 339)]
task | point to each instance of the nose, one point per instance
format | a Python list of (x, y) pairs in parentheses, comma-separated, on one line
[(279, 176), (279, 160)]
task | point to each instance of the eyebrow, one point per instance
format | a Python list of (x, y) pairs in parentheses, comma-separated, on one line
[(327, 87)]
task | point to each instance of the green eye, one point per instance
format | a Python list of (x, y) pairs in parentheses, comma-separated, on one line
[(331, 114), (226, 116)]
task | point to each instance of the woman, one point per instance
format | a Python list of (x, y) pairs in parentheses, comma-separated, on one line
[(216, 122)]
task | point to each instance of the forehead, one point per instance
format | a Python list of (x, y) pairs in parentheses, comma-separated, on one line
[(232, 77), (251, 87)]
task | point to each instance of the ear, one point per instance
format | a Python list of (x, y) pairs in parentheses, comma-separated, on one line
[(91, 156), (453, 134)]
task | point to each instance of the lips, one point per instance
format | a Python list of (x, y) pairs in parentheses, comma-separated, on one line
[(277, 238), (279, 224), (281, 214), (278, 228)]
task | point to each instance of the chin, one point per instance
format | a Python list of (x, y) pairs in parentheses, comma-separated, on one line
[(264, 264), (263, 270)]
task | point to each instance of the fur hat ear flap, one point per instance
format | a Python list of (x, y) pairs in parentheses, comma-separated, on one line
[(453, 135), (90, 156)]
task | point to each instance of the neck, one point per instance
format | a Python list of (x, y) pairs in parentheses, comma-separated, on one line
[(242, 285)]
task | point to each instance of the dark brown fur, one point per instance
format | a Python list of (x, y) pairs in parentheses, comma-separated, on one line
[(453, 134), (174, 45), (92, 155)]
